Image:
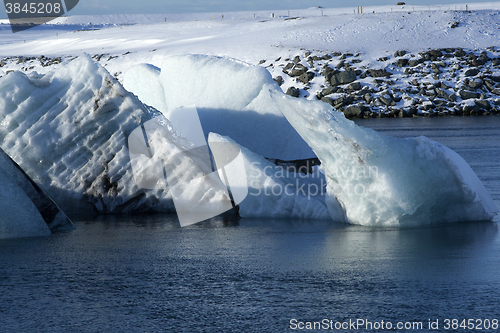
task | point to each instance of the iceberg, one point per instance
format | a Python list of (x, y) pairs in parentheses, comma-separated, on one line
[(277, 192), (68, 130), (385, 181), (230, 96), (53, 216), (20, 215)]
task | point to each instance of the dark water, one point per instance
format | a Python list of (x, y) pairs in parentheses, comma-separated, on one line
[(146, 274)]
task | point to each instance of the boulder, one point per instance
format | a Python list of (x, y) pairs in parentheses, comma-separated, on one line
[(435, 53), (327, 91), (328, 100), (329, 72), (298, 70), (379, 73), (413, 63), (343, 101), (460, 53), (343, 78), (471, 72), (292, 91), (466, 94), (306, 77), (400, 53), (386, 99), (354, 111), (401, 62), (354, 86), (483, 104), (475, 84)]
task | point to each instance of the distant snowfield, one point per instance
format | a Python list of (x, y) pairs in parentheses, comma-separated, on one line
[(240, 35)]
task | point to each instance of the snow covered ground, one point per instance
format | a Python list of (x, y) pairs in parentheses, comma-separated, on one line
[(149, 38), (78, 113)]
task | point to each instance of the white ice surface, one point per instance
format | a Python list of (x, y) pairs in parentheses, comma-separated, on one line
[(68, 130), (275, 192), (386, 181), (230, 96)]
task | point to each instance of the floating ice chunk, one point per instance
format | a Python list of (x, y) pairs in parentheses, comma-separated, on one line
[(382, 180), (50, 212), (230, 96), (275, 192), (68, 130), (197, 192), (20, 217)]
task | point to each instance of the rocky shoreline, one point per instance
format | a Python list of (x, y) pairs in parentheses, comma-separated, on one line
[(441, 82)]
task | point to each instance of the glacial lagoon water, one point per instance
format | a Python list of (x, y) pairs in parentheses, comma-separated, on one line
[(147, 274)]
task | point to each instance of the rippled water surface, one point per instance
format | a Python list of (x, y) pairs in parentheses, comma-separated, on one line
[(146, 274)]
